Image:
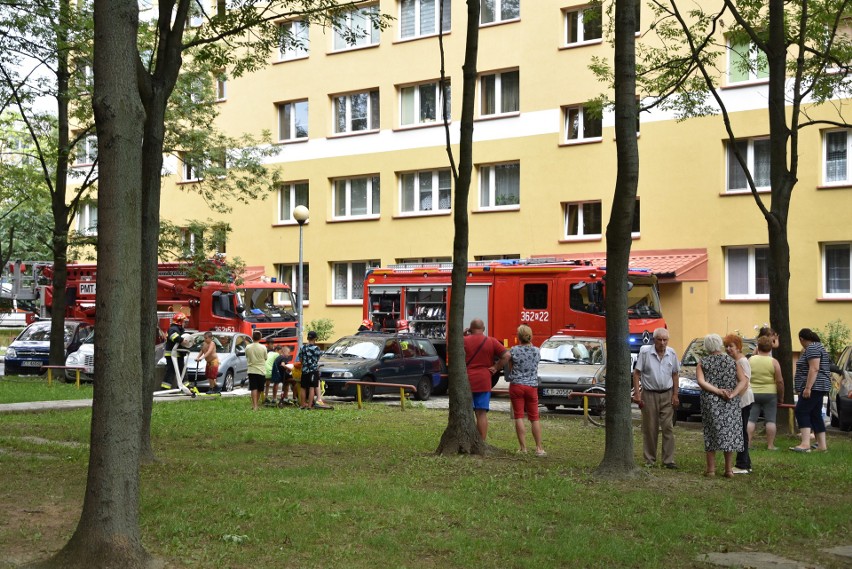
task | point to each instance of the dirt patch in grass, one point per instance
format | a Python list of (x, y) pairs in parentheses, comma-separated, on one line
[(35, 530)]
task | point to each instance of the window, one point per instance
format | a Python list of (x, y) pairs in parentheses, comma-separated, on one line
[(87, 219), (756, 153), (747, 272), (837, 270), (583, 25), (190, 169), (500, 93), (634, 231), (196, 14), (356, 197), (581, 125), (535, 296), (745, 62), (221, 87), (290, 274), (424, 260), (418, 18), (293, 120), (295, 40), (836, 144), (500, 185), (349, 279), (422, 104), (356, 112), (492, 11), (425, 191), (355, 29), (498, 257), (582, 220), (193, 240), (86, 151), (290, 196)]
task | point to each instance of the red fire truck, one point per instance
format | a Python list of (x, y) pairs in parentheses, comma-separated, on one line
[(547, 295), (211, 306)]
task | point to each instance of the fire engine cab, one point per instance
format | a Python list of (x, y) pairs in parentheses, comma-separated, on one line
[(547, 295)]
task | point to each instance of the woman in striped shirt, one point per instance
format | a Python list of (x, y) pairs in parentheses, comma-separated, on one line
[(812, 382)]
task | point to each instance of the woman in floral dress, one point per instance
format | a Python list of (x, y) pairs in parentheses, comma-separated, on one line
[(720, 404)]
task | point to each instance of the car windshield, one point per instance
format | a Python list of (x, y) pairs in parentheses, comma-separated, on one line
[(695, 351), (572, 351), (38, 332), (223, 343), (367, 348)]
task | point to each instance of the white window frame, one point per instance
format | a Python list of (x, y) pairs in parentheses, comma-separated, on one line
[(488, 185), (87, 219), (290, 132), (731, 161), (196, 14), (300, 30), (758, 71), (751, 273), (289, 198), (580, 207), (498, 93), (846, 180), (844, 294), (419, 193), (373, 205), (189, 172), (357, 17), (582, 123), (579, 15), (221, 88), (637, 220), (352, 276), (418, 11), (414, 100), (86, 151), (373, 116), (289, 273), (498, 13)]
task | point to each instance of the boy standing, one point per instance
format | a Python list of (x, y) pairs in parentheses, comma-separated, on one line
[(256, 359), (309, 355)]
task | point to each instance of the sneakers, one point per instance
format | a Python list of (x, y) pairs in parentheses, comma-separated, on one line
[(670, 466), (741, 470)]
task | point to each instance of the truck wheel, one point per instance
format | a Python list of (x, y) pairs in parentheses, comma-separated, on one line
[(424, 388), (551, 407), (228, 382)]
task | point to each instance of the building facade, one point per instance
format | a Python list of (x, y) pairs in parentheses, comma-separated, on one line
[(362, 145)]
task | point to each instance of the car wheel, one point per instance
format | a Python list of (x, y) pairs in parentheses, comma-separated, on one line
[(835, 421), (551, 407), (682, 416), (597, 410), (367, 391), (228, 382), (424, 388)]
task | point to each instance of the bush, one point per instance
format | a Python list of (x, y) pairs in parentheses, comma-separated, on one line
[(324, 327), (835, 337)]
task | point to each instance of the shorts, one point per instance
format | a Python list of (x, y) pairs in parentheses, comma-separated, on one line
[(766, 401), (482, 400), (310, 379), (524, 400), (212, 370), (276, 380), (256, 381)]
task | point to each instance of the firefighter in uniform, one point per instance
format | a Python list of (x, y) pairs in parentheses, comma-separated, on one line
[(174, 356)]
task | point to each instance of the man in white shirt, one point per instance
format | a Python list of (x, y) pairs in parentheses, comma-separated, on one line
[(656, 371)]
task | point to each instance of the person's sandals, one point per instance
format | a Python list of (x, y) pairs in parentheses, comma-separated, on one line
[(800, 449), (540, 453), (709, 473), (729, 474)]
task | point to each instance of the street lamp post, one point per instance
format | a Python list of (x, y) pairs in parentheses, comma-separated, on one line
[(300, 214)]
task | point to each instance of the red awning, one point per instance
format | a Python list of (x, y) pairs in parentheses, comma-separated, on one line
[(669, 265)]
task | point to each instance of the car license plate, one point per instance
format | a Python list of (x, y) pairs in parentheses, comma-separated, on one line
[(686, 405), (557, 392), (31, 363)]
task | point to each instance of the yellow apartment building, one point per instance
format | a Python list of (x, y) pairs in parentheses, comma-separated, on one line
[(361, 144)]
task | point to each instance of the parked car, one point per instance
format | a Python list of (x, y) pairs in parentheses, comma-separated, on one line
[(840, 396), (231, 351), (383, 358), (30, 351), (689, 392), (85, 357), (570, 364)]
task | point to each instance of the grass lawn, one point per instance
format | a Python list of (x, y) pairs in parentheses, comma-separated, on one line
[(362, 489), (24, 388)]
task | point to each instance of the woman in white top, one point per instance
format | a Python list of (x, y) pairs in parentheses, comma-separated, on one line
[(734, 348)]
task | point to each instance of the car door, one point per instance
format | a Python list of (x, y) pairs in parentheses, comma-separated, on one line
[(239, 351), (390, 362), (412, 362)]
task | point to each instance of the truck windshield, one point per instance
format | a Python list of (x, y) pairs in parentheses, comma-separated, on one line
[(643, 302), (260, 303)]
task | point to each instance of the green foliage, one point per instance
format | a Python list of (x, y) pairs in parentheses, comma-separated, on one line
[(324, 327), (201, 246), (835, 337)]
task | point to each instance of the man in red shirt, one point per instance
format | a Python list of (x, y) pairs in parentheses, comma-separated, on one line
[(484, 356)]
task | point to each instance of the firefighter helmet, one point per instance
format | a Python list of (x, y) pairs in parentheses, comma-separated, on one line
[(368, 324), (178, 317)]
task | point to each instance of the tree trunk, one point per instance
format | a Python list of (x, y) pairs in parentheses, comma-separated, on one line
[(59, 241), (461, 435), (618, 453), (107, 534)]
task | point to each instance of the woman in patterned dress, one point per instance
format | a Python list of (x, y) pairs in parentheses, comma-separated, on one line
[(720, 404), (523, 388)]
